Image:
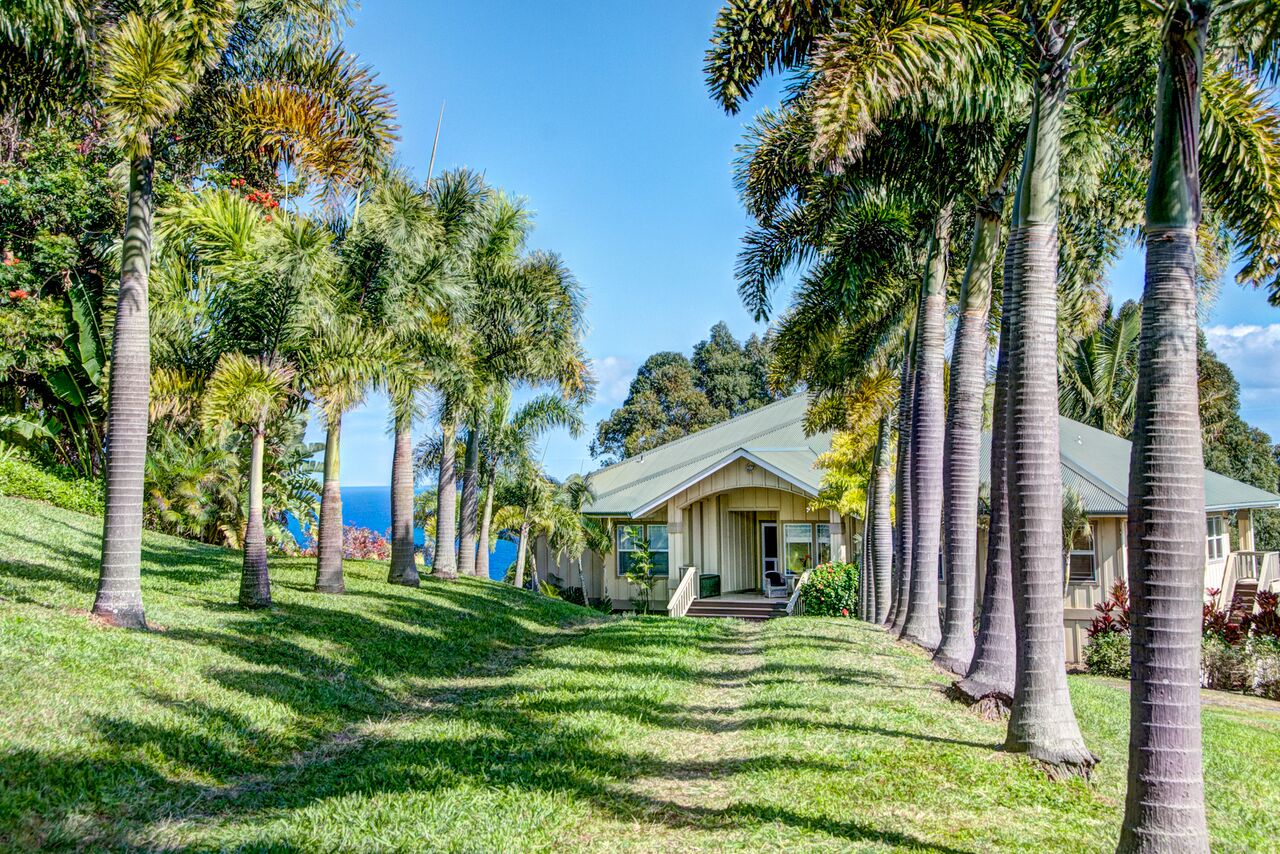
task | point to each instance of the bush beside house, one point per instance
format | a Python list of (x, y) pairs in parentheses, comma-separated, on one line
[(1240, 651), (831, 591)]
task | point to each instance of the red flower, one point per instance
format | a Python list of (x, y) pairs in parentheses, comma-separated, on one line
[(844, 612), (11, 260), (4, 182), (18, 294), (267, 217)]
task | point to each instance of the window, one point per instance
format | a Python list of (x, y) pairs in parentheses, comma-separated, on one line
[(797, 547), (1081, 564), (1216, 541), (824, 544), (630, 535)]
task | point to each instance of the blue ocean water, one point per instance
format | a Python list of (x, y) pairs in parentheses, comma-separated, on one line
[(370, 507)]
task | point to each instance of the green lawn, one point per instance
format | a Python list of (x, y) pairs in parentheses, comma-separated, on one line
[(472, 717)]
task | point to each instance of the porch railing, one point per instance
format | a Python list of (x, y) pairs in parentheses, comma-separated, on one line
[(1262, 568), (795, 605), (684, 594)]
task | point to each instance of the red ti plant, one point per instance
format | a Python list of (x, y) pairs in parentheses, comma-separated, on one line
[(1218, 622), (1113, 614)]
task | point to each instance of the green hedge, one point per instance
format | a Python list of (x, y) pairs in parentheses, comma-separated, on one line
[(831, 591), (24, 480), (1107, 654)]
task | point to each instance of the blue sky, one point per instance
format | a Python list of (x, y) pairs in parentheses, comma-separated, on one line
[(596, 112)]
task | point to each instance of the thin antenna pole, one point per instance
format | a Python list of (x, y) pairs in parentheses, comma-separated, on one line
[(431, 166)]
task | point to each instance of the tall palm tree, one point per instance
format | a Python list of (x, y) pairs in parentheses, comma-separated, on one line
[(152, 64), (244, 393), (921, 625), (880, 525), (1164, 806), (964, 428), (991, 671)]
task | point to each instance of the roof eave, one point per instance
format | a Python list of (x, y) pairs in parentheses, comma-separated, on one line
[(739, 454)]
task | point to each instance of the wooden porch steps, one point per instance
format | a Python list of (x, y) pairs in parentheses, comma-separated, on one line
[(756, 610)]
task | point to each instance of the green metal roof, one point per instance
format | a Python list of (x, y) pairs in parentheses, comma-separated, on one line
[(771, 437), (1095, 464)]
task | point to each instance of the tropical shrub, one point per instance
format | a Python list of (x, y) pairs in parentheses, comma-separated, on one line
[(1107, 654), (831, 591), (1225, 667), (359, 544), (1113, 613), (20, 478), (1266, 667)]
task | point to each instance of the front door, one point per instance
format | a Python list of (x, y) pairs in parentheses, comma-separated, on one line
[(768, 548)]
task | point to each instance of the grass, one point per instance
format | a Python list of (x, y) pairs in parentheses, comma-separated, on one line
[(467, 716)]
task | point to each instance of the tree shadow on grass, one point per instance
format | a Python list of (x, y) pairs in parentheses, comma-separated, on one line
[(369, 686)]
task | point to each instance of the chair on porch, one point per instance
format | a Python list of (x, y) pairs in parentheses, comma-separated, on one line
[(775, 586)]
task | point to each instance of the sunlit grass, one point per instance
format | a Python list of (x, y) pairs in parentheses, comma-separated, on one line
[(468, 716)]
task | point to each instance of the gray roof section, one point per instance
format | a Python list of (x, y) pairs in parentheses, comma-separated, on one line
[(773, 435), (1095, 464)]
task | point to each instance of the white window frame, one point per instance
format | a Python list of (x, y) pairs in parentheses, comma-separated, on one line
[(644, 533), (1217, 543), (1091, 553), (818, 543)]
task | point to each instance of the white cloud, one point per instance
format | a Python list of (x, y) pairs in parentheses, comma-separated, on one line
[(615, 374), (1252, 351)]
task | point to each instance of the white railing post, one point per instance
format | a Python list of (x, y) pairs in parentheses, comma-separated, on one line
[(795, 607), (684, 593)]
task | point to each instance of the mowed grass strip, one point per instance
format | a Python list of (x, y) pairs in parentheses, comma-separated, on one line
[(467, 716)]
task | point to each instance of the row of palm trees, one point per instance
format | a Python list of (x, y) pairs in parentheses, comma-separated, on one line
[(900, 135), (370, 281)]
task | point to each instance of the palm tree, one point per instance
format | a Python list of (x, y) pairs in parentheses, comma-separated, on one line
[(880, 525), (991, 671), (921, 625), (211, 61), (1098, 380), (509, 439), (345, 359), (151, 67), (245, 392), (964, 428), (1164, 806)]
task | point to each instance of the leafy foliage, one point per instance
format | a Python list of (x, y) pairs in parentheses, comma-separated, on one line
[(1107, 654), (23, 479), (831, 591), (673, 396)]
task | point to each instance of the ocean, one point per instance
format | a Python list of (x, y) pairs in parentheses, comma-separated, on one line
[(370, 507)]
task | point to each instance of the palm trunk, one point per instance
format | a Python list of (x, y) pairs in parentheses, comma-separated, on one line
[(255, 582), (1164, 806), (923, 626), (964, 436), (119, 597), (445, 564), (1041, 722), (582, 582), (486, 522), (470, 504), (881, 533), (404, 568), (329, 538), (865, 591), (905, 396), (522, 552), (991, 673)]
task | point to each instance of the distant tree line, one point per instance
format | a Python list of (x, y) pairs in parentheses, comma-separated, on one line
[(673, 396)]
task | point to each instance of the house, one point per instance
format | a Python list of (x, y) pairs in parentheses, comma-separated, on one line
[(735, 501), (1095, 465)]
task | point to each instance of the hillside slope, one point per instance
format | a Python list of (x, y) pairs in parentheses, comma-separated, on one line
[(471, 717)]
